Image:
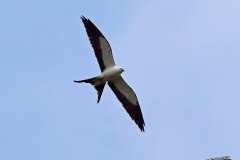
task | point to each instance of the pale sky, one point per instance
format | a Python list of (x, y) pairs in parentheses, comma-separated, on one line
[(182, 58)]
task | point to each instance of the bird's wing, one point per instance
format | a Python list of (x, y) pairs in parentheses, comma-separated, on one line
[(128, 98), (100, 44)]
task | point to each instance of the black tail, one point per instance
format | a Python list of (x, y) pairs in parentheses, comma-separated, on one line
[(99, 88), (90, 80)]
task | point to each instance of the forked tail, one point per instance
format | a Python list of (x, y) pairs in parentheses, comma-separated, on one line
[(92, 81)]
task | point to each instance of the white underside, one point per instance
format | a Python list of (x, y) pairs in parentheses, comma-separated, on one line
[(109, 74), (113, 74)]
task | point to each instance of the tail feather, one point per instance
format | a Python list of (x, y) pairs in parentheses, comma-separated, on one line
[(90, 80), (99, 88)]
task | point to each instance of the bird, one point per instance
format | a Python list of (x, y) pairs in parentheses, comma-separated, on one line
[(111, 74)]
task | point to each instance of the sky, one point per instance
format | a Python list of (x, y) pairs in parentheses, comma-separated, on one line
[(182, 59)]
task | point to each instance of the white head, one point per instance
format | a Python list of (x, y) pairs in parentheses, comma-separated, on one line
[(120, 69)]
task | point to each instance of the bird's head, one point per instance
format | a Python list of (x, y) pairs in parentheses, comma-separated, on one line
[(119, 69), (122, 70)]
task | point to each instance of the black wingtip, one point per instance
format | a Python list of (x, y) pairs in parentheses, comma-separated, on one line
[(142, 128), (83, 18)]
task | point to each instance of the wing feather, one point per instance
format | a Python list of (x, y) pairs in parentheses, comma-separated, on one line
[(128, 98), (101, 47)]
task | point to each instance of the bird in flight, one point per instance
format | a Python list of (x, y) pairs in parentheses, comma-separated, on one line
[(111, 74)]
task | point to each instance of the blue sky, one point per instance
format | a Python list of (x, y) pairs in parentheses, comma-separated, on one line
[(182, 58)]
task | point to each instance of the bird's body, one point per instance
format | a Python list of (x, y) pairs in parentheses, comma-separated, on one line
[(111, 74)]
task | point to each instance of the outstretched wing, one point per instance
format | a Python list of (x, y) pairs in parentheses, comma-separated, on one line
[(129, 101), (100, 44)]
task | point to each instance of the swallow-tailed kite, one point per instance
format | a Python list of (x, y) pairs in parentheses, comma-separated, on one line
[(111, 74)]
